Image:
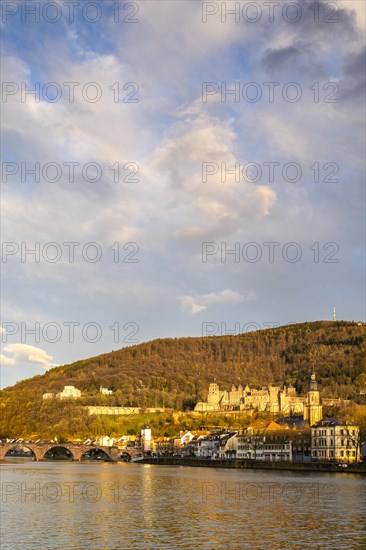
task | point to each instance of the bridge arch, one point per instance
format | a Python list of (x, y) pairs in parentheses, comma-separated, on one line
[(52, 453), (14, 446), (125, 455), (95, 453), (128, 454)]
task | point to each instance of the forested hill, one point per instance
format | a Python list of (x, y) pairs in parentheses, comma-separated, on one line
[(175, 372)]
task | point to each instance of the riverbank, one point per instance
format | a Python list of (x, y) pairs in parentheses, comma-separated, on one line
[(359, 468)]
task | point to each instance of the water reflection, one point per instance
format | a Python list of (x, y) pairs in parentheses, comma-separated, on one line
[(117, 506)]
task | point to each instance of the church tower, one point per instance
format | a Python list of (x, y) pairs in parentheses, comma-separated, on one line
[(313, 411)]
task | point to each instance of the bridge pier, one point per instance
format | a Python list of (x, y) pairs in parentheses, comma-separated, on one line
[(3, 451), (39, 454), (77, 454)]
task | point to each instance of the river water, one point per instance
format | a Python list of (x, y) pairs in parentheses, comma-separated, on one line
[(74, 505)]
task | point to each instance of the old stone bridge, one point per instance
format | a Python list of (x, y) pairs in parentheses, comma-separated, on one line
[(77, 451)]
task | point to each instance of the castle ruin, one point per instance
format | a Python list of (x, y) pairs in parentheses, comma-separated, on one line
[(269, 399)]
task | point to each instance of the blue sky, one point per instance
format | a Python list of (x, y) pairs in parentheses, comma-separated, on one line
[(163, 219)]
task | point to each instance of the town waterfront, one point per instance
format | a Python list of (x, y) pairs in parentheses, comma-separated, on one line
[(124, 506)]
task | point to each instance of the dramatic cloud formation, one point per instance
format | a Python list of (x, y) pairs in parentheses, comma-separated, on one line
[(172, 132)]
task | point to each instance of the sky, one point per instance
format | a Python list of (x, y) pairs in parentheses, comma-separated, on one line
[(170, 169)]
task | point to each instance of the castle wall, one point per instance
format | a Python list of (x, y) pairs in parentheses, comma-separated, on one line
[(271, 399)]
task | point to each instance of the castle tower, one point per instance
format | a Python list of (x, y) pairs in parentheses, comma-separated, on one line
[(313, 411), (213, 397)]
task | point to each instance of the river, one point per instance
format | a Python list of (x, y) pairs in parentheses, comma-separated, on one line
[(77, 505)]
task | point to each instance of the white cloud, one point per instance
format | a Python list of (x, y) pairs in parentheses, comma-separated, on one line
[(6, 360), (203, 203), (197, 303), (188, 304), (25, 353), (357, 6)]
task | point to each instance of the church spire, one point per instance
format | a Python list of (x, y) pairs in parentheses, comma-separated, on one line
[(313, 382)]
